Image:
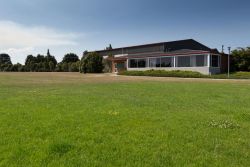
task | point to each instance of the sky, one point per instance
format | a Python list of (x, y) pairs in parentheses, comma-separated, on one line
[(65, 26)]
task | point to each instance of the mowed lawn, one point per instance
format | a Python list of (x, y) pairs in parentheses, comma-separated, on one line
[(69, 119)]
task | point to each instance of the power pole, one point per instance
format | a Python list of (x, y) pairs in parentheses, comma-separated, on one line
[(229, 52)]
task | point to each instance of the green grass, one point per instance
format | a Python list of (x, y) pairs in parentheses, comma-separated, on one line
[(235, 75), (54, 120)]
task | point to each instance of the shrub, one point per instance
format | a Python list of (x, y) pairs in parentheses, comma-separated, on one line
[(92, 63), (163, 73)]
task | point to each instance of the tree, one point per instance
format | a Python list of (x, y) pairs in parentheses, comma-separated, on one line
[(5, 62), (74, 67), (70, 58), (51, 66), (85, 53), (65, 67), (59, 67), (240, 59), (109, 47), (5, 59), (40, 63), (30, 63), (18, 68), (50, 62), (92, 63)]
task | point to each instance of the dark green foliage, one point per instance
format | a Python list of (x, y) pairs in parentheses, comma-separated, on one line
[(241, 59), (5, 62), (68, 67), (85, 53), (92, 63), (5, 59), (18, 68), (70, 58), (109, 47), (5, 67), (40, 63), (163, 73), (107, 65)]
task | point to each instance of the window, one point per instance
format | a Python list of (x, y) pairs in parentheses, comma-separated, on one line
[(183, 61), (167, 62), (161, 62), (133, 63), (201, 60), (154, 62), (191, 61), (137, 63), (215, 61), (141, 63)]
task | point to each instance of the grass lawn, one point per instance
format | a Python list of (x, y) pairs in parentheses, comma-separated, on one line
[(59, 119), (235, 75)]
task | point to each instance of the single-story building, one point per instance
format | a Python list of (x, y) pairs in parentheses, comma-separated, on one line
[(187, 55)]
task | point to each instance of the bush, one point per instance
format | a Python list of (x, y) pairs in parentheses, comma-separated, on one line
[(240, 59), (92, 63), (163, 73)]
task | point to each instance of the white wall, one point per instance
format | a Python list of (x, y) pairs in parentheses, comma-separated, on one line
[(207, 70), (203, 70)]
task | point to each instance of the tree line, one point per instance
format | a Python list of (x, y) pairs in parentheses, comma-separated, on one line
[(94, 63), (89, 63)]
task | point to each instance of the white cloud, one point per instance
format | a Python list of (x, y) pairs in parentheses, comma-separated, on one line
[(19, 40), (17, 35)]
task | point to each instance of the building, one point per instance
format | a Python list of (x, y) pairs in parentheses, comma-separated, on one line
[(188, 55)]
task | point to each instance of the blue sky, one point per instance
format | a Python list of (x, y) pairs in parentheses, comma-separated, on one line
[(31, 27)]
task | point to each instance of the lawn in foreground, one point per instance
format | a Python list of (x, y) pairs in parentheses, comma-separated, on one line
[(68, 120)]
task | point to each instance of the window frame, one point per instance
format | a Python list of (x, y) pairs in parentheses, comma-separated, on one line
[(177, 61), (129, 65), (171, 57), (218, 61)]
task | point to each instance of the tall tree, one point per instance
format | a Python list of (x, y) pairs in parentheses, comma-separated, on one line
[(241, 59), (92, 63), (109, 47), (70, 58), (51, 60), (5, 59), (5, 62)]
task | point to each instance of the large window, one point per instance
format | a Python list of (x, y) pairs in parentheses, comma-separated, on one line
[(183, 61), (133, 63), (154, 62), (201, 60), (137, 63), (161, 62), (167, 62), (215, 60), (142, 63), (191, 61)]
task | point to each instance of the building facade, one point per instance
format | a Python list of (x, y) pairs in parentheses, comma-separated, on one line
[(188, 55)]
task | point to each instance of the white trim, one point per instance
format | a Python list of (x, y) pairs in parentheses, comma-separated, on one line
[(137, 62), (160, 61), (208, 60), (175, 61)]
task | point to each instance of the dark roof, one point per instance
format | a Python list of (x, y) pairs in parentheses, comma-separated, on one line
[(188, 44)]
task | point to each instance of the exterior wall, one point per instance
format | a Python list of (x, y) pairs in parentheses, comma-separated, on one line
[(224, 63), (207, 70), (214, 70), (202, 70)]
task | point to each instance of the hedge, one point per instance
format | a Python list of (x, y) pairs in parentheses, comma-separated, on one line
[(163, 73)]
